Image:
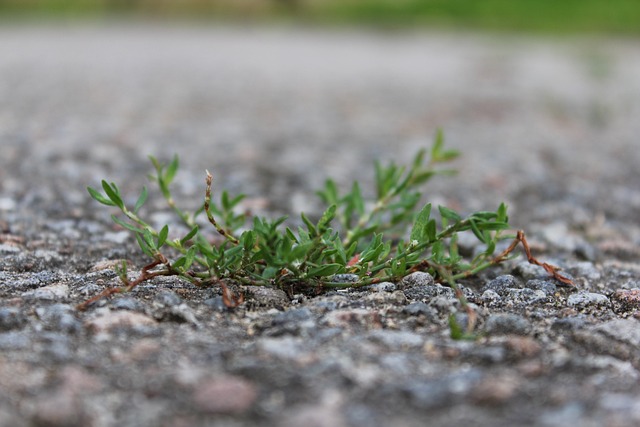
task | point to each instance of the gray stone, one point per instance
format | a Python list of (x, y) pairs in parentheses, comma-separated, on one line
[(396, 340), (548, 287), (225, 395), (417, 279), (427, 394), (381, 287), (588, 300), (501, 283), (427, 293), (345, 278), (503, 324), (181, 313), (529, 271), (127, 303), (288, 348), (59, 317), (14, 341), (418, 308), (216, 303), (293, 316), (587, 270), (49, 293), (568, 324), (11, 318), (524, 297), (167, 299), (261, 296), (623, 330), (490, 296)]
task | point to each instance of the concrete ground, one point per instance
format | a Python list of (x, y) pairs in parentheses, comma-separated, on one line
[(549, 126)]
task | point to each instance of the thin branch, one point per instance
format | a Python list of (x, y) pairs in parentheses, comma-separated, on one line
[(212, 220)]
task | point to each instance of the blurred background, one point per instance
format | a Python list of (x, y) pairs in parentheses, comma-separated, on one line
[(567, 16), (541, 96)]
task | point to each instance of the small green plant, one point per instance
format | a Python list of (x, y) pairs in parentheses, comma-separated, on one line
[(355, 242)]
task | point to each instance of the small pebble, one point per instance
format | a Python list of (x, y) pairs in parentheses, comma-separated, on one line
[(419, 308), (345, 278), (490, 296), (293, 316), (48, 293), (396, 340), (548, 287), (59, 317), (505, 324), (628, 298), (14, 341), (588, 299), (167, 299), (381, 287), (107, 321), (216, 303), (500, 284), (417, 279), (127, 303), (428, 293), (587, 270), (622, 330), (288, 348), (11, 318)]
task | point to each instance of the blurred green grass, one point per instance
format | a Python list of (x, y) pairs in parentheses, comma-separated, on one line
[(538, 16)]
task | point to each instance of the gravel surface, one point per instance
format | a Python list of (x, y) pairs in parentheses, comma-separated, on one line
[(548, 126)]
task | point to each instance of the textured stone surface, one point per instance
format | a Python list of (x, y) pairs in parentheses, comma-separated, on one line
[(550, 128)]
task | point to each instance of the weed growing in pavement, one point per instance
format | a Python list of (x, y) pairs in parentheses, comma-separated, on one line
[(354, 243)]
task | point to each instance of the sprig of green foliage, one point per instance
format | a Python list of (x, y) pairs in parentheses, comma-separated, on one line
[(355, 242)]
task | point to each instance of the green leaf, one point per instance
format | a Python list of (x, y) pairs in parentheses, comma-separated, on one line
[(438, 143), (156, 164), (484, 215), (419, 230), (492, 226), (456, 331), (309, 224), (189, 257), (126, 225), (330, 193), (448, 155), (189, 235), (226, 204), (431, 230), (476, 231), (326, 218), (162, 236), (148, 238), (270, 272), (324, 270), (501, 214), (449, 214), (99, 197), (112, 192), (300, 251), (179, 263), (171, 170), (144, 246), (248, 239), (419, 159), (356, 199), (141, 200), (291, 235)]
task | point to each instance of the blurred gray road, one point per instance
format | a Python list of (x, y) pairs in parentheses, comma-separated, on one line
[(274, 111)]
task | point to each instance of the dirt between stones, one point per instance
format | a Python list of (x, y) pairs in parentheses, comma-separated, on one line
[(550, 127)]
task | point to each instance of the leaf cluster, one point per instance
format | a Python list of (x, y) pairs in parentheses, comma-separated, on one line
[(355, 242)]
